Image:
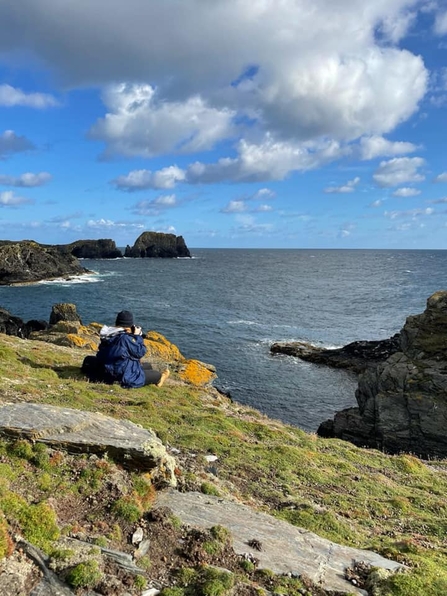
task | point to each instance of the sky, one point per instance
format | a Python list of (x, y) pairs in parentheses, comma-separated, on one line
[(232, 123)]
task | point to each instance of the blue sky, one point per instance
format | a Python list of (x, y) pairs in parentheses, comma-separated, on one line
[(269, 123)]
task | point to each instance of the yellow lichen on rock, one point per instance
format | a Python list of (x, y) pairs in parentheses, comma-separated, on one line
[(160, 348), (77, 341), (197, 373)]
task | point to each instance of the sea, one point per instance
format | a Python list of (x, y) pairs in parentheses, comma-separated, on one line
[(227, 306)]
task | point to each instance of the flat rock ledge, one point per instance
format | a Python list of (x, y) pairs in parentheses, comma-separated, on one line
[(77, 431), (285, 548)]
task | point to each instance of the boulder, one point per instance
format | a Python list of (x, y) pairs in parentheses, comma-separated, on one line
[(28, 262), (157, 244), (356, 356), (402, 402), (12, 325)]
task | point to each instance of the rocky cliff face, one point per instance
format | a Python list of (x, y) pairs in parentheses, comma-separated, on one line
[(28, 261), (156, 244), (103, 248), (402, 403)]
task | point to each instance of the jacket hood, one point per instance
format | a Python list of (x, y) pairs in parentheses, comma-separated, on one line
[(107, 331)]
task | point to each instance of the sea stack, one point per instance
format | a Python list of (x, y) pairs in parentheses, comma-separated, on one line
[(158, 245)]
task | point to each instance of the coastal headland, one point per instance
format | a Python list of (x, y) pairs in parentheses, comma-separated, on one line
[(27, 261), (78, 521)]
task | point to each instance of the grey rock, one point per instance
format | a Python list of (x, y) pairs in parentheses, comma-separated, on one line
[(103, 248), (157, 244), (64, 312), (28, 262), (77, 431), (285, 548), (402, 402)]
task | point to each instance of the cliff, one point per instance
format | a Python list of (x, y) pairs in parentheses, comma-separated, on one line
[(83, 523), (402, 402), (28, 261), (156, 244), (94, 249)]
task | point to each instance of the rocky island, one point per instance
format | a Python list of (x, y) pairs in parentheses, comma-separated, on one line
[(158, 245)]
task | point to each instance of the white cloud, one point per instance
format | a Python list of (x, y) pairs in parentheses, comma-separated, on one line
[(9, 199), (11, 143), (144, 179), (264, 194), (441, 178), (11, 96), (319, 70), (413, 214), (27, 180), (439, 201), (108, 224), (235, 207), (140, 124), (377, 146), (376, 203), (345, 188), (399, 170), (155, 206), (263, 208), (441, 23), (406, 191)]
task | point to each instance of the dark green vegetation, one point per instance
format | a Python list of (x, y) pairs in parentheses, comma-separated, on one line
[(395, 505)]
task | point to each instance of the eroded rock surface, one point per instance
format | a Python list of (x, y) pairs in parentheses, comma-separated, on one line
[(157, 244), (402, 402), (77, 431), (284, 548), (28, 261)]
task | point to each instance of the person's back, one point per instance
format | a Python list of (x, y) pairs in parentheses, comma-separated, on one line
[(120, 353)]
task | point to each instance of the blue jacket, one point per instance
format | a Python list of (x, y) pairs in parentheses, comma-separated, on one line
[(120, 353)]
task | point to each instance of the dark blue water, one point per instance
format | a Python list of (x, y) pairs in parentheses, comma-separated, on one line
[(227, 307)]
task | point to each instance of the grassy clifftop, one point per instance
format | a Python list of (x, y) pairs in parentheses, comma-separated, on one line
[(394, 505)]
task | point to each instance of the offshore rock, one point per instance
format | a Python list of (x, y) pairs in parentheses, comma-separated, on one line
[(11, 325), (157, 244), (356, 356), (28, 262), (402, 402), (77, 431), (103, 248)]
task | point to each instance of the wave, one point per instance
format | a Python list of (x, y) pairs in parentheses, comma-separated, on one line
[(69, 281)]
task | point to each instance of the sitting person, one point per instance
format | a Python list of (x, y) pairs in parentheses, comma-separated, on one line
[(119, 353)]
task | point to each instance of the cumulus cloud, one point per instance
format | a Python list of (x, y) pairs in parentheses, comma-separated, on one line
[(27, 180), (139, 124), (297, 71), (155, 206), (108, 224), (441, 23), (11, 96), (411, 213), (406, 191), (264, 194), (345, 188), (11, 143), (377, 146), (9, 199), (441, 178), (235, 207), (144, 179), (376, 203), (399, 170)]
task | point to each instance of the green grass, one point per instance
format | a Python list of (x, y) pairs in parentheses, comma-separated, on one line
[(395, 505)]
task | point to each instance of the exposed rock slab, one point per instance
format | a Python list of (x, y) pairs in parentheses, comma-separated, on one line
[(285, 548), (402, 402), (88, 432), (157, 244), (356, 356)]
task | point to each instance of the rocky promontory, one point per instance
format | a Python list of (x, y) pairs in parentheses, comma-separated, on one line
[(159, 245), (104, 248), (27, 262), (402, 402)]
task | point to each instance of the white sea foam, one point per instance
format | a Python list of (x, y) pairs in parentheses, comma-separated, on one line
[(69, 281)]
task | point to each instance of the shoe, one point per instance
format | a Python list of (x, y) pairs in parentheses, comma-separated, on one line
[(164, 375)]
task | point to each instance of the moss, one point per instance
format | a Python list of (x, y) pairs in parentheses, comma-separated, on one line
[(186, 576), (220, 533), (6, 543), (140, 582), (175, 591), (127, 509), (209, 489), (84, 575)]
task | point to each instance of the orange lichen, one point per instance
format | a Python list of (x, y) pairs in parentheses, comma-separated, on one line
[(76, 341), (197, 373), (159, 347)]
